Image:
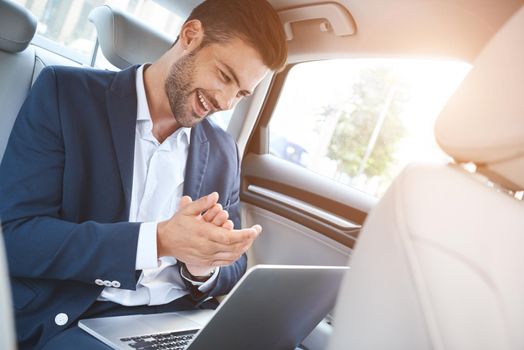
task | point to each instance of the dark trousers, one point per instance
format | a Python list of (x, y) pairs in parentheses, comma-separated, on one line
[(75, 338)]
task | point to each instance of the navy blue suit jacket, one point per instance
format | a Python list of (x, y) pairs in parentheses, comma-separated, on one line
[(65, 189)]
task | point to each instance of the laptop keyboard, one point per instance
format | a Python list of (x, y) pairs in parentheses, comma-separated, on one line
[(164, 341)]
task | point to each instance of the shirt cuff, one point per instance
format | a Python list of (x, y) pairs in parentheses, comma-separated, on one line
[(146, 250), (203, 286)]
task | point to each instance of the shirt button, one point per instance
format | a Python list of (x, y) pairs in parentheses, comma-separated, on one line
[(99, 282), (61, 319), (115, 284), (108, 283)]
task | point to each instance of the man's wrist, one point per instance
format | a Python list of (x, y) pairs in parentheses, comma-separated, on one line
[(196, 278)]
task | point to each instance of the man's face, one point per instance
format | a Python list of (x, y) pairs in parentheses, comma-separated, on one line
[(211, 79)]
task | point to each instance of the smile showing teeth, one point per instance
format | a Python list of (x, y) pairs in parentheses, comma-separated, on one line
[(203, 101)]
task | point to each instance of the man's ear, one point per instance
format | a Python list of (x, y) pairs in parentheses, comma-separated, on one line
[(191, 35)]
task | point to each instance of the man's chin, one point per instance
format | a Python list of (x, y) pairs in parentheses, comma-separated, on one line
[(189, 122)]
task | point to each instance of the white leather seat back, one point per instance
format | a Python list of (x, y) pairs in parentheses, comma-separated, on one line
[(439, 262), (17, 28), (482, 123)]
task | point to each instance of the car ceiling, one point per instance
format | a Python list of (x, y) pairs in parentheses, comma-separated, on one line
[(415, 28)]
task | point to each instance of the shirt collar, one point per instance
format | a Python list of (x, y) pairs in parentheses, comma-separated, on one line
[(142, 108)]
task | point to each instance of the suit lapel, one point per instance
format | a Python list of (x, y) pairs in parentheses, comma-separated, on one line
[(197, 160), (121, 106)]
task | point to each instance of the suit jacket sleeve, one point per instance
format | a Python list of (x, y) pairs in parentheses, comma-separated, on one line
[(231, 274), (39, 243)]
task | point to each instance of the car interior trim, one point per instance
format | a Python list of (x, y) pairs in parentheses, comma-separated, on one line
[(296, 203), (343, 235), (335, 18)]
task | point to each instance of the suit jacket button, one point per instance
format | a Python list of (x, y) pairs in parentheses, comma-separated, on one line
[(61, 319), (108, 283), (99, 282), (115, 284)]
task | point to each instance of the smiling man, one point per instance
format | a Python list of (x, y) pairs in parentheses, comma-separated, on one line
[(118, 195)]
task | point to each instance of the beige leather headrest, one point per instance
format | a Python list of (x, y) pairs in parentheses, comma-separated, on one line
[(17, 26), (124, 40), (483, 122)]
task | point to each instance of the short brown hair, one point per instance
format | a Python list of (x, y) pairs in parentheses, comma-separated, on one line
[(254, 21)]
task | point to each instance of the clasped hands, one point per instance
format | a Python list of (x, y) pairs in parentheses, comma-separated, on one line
[(203, 241)]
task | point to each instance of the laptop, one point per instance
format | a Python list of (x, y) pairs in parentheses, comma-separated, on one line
[(271, 307)]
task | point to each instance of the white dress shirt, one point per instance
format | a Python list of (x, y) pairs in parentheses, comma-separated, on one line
[(158, 181)]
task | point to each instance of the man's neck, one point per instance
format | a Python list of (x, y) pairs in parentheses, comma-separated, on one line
[(164, 124)]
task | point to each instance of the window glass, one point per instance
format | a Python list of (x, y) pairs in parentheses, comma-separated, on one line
[(65, 21), (360, 121)]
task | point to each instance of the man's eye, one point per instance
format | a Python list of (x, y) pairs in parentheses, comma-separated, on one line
[(224, 76)]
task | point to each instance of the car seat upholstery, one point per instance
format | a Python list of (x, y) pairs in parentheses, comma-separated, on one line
[(439, 262), (20, 63), (124, 40), (17, 28), (7, 327)]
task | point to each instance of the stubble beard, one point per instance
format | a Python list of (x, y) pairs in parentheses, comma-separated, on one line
[(178, 90)]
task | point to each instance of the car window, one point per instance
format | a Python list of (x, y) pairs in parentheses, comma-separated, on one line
[(360, 121)]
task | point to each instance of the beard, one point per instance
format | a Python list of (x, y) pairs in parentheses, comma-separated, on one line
[(178, 88)]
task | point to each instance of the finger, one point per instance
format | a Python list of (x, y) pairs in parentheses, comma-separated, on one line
[(232, 237), (210, 214), (211, 252), (184, 201), (214, 234), (231, 251), (228, 225), (257, 228), (200, 205), (223, 237), (221, 218)]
